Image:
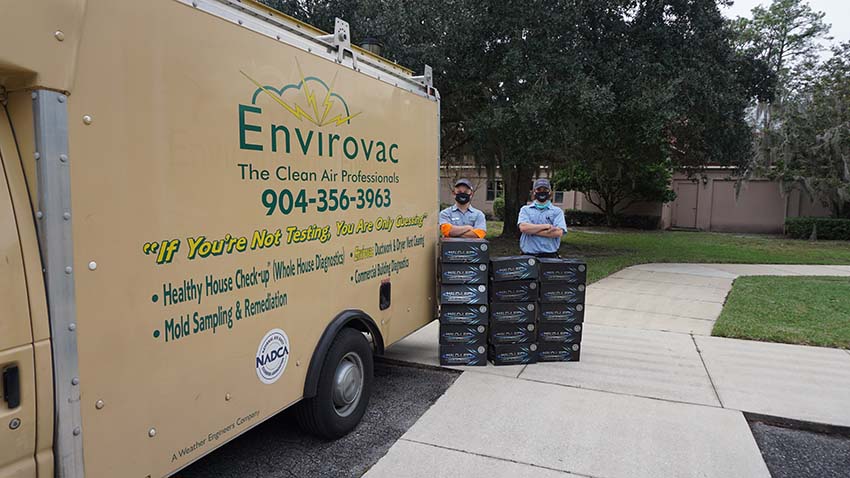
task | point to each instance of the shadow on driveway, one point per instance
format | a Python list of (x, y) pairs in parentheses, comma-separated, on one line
[(278, 448)]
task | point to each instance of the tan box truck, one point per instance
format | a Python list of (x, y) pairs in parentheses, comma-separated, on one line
[(209, 212)]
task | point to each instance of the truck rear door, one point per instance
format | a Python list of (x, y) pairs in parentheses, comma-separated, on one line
[(17, 376)]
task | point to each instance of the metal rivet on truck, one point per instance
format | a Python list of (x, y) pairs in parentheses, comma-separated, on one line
[(15, 423), (39, 214), (152, 432), (92, 265), (60, 98), (66, 215), (59, 35), (87, 119), (63, 158), (75, 381), (72, 326), (37, 155), (98, 404), (77, 431), (227, 397), (68, 270)]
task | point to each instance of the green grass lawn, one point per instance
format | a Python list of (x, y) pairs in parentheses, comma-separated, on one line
[(607, 251), (793, 310)]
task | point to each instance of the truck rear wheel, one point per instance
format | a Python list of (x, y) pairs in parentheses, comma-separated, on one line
[(345, 385)]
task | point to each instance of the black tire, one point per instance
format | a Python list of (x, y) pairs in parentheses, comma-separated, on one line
[(319, 415)]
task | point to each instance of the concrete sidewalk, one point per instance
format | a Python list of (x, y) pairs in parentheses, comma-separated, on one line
[(654, 395)]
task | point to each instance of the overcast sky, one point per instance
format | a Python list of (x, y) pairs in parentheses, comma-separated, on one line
[(837, 15)]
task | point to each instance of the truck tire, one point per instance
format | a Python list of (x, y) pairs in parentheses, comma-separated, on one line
[(345, 385)]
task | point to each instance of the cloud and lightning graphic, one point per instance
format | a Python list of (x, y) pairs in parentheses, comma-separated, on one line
[(310, 96)]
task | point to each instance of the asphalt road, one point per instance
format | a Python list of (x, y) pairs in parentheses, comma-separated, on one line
[(802, 454), (278, 448)]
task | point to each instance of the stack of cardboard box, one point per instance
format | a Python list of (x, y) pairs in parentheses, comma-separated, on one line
[(508, 310), (561, 315), (463, 301), (513, 310)]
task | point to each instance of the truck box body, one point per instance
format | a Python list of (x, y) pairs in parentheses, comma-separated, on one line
[(229, 195)]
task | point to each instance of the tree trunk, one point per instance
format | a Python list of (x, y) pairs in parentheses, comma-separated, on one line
[(609, 215), (517, 182)]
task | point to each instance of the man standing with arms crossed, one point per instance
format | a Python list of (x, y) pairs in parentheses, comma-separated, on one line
[(461, 219), (542, 225)]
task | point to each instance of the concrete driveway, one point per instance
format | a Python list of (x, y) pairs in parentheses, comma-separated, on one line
[(654, 395)]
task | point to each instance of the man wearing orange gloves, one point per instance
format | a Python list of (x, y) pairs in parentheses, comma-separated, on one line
[(461, 219)]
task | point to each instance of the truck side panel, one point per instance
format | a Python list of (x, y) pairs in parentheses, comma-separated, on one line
[(19, 107), (208, 165), (17, 387)]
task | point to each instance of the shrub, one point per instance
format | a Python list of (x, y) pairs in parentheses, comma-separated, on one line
[(575, 217), (499, 208), (827, 228)]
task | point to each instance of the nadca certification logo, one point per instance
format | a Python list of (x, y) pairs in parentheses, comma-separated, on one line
[(272, 356)]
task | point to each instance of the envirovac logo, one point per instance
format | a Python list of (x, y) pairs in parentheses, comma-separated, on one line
[(272, 356), (307, 118)]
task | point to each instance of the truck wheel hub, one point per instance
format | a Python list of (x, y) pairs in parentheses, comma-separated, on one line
[(348, 384)]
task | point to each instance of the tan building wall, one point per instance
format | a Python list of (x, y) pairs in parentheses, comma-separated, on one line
[(481, 200), (705, 203), (709, 203)]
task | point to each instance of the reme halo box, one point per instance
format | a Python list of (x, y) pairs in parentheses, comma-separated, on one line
[(463, 273), (462, 314), (558, 352), (513, 268), (563, 270), (472, 335), (463, 355), (460, 250), (561, 312), (514, 291), (513, 312), (513, 354), (463, 294)]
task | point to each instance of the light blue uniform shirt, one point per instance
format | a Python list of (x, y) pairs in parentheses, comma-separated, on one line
[(534, 244), (456, 217)]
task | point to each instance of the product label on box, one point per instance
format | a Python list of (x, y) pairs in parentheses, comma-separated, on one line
[(463, 294), (513, 354), (512, 333), (563, 270), (514, 291), (561, 292), (463, 273), (463, 355), (513, 268), (466, 251), (513, 312), (463, 334), (558, 352), (559, 332), (561, 312), (464, 314)]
